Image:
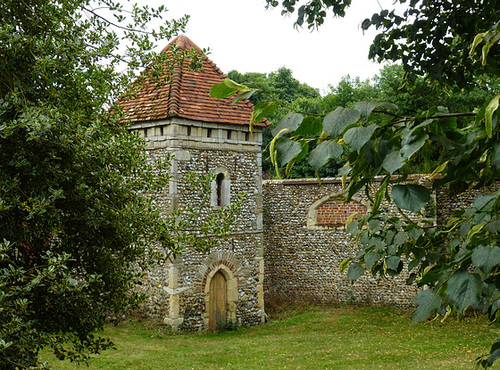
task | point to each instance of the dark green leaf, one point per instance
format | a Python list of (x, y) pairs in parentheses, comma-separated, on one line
[(288, 150), (366, 107), (337, 121), (371, 258), (400, 238), (393, 162), (410, 197), (464, 289), (427, 302), (310, 126), (324, 152), (392, 262), (359, 136), (486, 257), (495, 156), (291, 122), (355, 271), (411, 147)]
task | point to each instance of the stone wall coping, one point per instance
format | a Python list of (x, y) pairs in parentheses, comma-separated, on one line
[(331, 180)]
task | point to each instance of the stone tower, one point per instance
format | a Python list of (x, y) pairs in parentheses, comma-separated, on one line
[(205, 135)]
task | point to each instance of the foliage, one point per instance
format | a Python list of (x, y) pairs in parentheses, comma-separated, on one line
[(74, 207), (456, 256)]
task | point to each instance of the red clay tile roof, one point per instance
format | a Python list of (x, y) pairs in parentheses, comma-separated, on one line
[(187, 96)]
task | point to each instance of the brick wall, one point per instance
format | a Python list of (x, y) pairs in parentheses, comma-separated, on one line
[(336, 213)]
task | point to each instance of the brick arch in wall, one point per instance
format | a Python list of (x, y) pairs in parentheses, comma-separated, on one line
[(230, 267), (332, 211)]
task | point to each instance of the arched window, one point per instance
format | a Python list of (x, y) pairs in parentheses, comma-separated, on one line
[(332, 211), (221, 188)]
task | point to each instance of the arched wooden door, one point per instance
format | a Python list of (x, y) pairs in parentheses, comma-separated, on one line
[(217, 304)]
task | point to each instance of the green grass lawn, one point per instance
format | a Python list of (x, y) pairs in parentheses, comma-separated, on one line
[(336, 338)]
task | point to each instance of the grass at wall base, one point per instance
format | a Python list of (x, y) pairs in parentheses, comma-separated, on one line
[(303, 338)]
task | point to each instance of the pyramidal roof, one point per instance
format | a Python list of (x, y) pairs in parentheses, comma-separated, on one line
[(187, 95)]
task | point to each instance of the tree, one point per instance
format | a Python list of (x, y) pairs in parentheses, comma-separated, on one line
[(458, 256), (76, 204)]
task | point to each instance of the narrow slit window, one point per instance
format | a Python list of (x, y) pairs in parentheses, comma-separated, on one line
[(229, 134), (247, 136), (219, 184), (189, 131), (209, 132)]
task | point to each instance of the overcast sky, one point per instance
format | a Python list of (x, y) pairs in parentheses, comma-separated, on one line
[(244, 36)]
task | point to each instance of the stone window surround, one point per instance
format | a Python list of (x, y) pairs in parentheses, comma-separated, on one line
[(312, 216), (221, 190)]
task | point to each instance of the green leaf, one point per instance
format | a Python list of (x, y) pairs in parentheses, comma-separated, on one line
[(474, 230), (411, 147), (438, 169), (366, 107), (310, 126), (486, 257), (371, 258), (488, 117), (464, 289), (393, 162), (228, 88), (355, 271), (393, 262), (495, 156), (344, 265), (410, 197), (325, 151), (245, 95), (380, 194), (262, 110), (427, 302), (288, 150), (359, 136), (337, 121), (291, 121), (400, 238)]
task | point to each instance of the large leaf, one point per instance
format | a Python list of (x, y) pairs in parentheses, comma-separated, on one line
[(464, 289), (288, 150), (228, 88), (310, 126), (359, 136), (371, 258), (336, 122), (355, 271), (410, 147), (393, 262), (262, 110), (488, 117), (291, 121), (324, 152), (486, 257), (365, 108), (495, 156), (410, 197), (393, 162), (427, 301)]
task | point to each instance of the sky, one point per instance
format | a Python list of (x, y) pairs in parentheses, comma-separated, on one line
[(242, 35)]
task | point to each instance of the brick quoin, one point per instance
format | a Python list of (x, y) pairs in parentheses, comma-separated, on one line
[(334, 212)]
